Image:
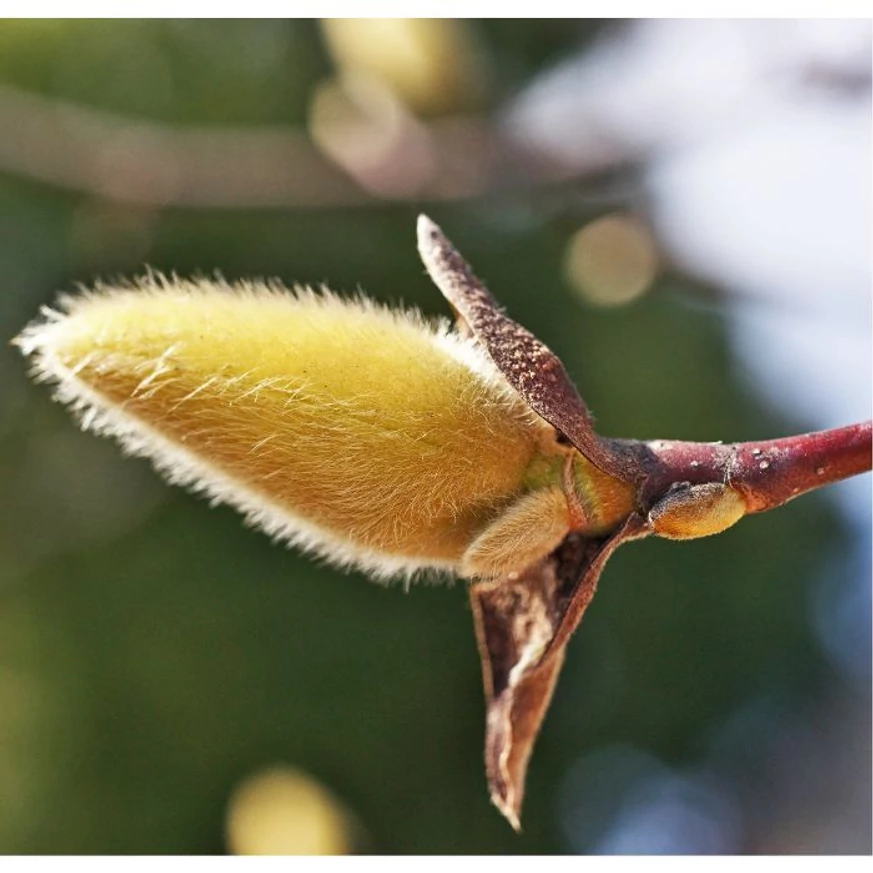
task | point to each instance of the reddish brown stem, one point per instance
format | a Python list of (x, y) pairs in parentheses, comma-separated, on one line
[(771, 473), (768, 473)]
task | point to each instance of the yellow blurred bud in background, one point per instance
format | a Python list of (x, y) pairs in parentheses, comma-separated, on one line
[(431, 64), (284, 811)]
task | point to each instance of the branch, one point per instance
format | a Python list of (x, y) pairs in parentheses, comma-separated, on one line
[(767, 474), (108, 155)]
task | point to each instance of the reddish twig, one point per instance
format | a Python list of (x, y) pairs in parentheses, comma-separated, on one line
[(767, 474)]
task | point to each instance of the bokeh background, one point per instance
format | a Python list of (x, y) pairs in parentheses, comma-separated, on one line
[(680, 209)]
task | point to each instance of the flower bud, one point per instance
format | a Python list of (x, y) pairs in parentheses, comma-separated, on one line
[(360, 433)]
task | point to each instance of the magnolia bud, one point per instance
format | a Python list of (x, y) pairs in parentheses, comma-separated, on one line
[(363, 434)]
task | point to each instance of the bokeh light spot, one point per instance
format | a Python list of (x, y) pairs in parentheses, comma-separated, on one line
[(283, 811), (611, 261)]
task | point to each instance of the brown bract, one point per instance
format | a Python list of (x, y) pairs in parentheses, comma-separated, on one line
[(524, 620), (527, 364), (523, 623)]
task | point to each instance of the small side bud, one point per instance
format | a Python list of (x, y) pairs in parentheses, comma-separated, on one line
[(696, 511)]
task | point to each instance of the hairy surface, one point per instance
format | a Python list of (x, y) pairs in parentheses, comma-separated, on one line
[(697, 511), (361, 433), (524, 533)]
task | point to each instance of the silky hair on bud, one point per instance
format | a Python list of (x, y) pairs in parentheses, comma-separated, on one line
[(365, 435), (527, 531)]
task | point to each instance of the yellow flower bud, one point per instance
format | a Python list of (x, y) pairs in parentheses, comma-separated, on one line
[(358, 432)]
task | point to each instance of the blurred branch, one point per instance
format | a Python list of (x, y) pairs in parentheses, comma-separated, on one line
[(149, 163)]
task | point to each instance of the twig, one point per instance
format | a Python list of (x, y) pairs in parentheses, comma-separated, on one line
[(153, 164)]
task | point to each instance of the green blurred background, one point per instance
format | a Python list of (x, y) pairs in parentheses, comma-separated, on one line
[(155, 654)]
